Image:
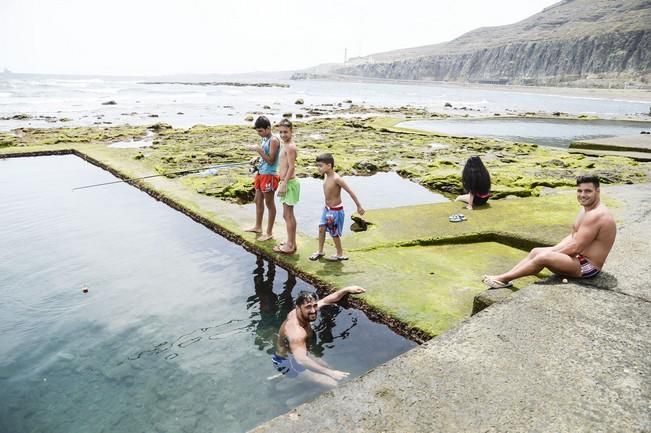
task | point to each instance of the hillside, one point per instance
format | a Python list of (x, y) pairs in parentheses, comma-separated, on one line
[(601, 43)]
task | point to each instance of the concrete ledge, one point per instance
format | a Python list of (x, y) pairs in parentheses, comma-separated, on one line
[(553, 359)]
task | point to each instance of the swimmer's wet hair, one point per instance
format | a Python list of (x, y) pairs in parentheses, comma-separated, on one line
[(588, 179), (326, 158), (304, 297), (287, 123)]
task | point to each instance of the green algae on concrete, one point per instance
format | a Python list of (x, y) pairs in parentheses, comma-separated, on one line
[(360, 147), (403, 246)]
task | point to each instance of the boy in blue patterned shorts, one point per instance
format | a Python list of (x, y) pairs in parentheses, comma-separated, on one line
[(333, 216)]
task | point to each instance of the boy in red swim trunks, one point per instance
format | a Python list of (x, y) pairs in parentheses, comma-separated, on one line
[(332, 217), (266, 180)]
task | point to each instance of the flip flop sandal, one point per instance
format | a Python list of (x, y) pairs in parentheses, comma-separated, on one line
[(496, 284), (316, 256), (457, 218), (335, 258)]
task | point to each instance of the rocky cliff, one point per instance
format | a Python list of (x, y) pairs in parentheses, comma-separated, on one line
[(574, 42)]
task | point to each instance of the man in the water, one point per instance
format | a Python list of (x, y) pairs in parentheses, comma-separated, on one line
[(582, 253), (292, 358)]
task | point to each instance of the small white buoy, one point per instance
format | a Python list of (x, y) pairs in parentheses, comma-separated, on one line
[(564, 280)]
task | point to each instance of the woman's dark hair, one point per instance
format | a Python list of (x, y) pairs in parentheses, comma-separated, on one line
[(262, 123), (475, 177)]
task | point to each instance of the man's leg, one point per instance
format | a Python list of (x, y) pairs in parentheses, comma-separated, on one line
[(532, 254), (259, 212), (558, 263), (269, 201)]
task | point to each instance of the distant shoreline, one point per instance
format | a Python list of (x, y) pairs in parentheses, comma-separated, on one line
[(630, 95)]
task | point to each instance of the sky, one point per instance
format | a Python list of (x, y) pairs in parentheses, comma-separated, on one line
[(160, 37)]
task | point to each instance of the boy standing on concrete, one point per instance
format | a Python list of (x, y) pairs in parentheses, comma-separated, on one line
[(289, 189), (333, 217), (266, 180)]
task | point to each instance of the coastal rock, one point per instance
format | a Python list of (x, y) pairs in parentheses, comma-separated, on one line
[(287, 115), (110, 103), (299, 101), (21, 116), (249, 118), (447, 105), (579, 42)]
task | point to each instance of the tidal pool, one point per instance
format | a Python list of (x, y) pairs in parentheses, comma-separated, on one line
[(176, 330), (380, 191), (557, 133)]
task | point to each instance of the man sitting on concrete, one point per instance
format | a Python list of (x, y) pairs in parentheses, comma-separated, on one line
[(582, 253)]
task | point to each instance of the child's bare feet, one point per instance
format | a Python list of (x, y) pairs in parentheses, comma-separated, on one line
[(284, 249), (254, 230), (265, 237)]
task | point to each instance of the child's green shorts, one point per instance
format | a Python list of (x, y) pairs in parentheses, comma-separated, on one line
[(293, 193)]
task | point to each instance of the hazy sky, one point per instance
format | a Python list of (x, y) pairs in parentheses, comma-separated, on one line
[(131, 37)]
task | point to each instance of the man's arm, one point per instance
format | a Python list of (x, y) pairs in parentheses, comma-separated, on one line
[(335, 297), (584, 236), (342, 183), (559, 246), (299, 351)]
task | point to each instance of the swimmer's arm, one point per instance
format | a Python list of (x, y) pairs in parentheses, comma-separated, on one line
[(342, 183), (584, 236), (335, 297), (299, 352)]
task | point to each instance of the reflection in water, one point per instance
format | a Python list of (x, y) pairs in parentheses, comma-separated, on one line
[(216, 332), (273, 310), (267, 311)]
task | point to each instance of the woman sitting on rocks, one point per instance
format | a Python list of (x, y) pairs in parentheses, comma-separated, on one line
[(476, 181)]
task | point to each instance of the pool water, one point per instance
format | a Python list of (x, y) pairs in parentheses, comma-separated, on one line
[(176, 330), (557, 133), (379, 191)]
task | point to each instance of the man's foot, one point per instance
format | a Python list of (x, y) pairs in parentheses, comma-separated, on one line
[(253, 230), (494, 283), (265, 237), (282, 249), (316, 256)]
